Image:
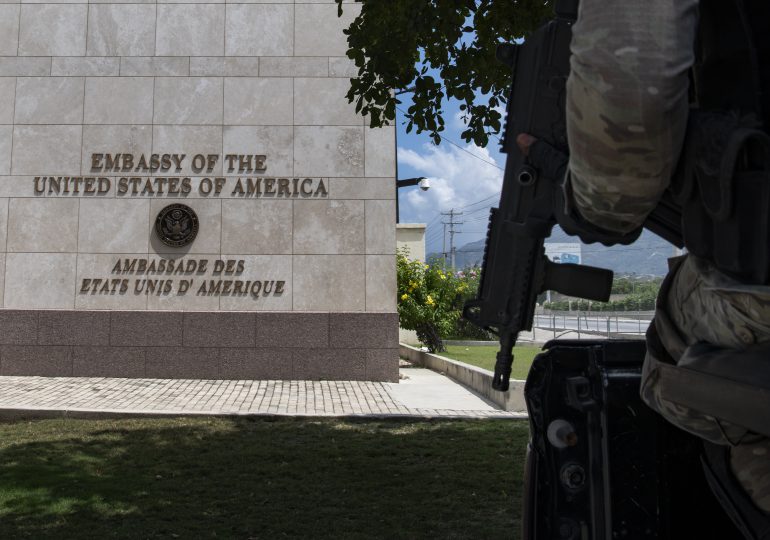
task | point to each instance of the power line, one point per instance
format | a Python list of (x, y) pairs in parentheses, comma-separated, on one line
[(467, 213), (479, 219), (458, 146), (435, 238), (495, 195), (481, 209), (434, 220), (435, 235), (432, 233)]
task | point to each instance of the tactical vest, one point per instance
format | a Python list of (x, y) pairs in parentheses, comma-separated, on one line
[(723, 180), (722, 186)]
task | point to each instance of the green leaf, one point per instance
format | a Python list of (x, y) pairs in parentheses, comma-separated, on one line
[(396, 43)]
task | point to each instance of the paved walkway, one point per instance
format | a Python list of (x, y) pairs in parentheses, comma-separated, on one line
[(420, 393)]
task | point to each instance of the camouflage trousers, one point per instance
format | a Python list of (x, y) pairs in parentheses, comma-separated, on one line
[(699, 304)]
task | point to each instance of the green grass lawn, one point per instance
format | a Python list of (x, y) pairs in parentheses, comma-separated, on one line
[(261, 478), (484, 357)]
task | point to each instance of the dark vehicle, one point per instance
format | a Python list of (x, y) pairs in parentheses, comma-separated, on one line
[(603, 465)]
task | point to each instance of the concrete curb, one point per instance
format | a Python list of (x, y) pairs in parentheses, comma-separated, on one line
[(475, 378), (477, 343), (24, 414)]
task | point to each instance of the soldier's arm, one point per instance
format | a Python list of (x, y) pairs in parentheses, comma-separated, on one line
[(626, 106)]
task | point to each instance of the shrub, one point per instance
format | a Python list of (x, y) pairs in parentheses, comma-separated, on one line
[(429, 300), (464, 329)]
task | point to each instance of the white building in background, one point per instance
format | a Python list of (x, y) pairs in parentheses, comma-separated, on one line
[(412, 237), (563, 252)]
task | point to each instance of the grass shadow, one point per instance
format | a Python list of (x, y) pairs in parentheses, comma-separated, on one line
[(260, 478)]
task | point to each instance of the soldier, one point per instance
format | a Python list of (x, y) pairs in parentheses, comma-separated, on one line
[(627, 117)]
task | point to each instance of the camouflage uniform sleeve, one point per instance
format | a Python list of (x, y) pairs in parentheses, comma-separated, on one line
[(627, 106)]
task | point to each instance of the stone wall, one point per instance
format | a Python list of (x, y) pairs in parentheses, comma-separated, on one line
[(79, 80)]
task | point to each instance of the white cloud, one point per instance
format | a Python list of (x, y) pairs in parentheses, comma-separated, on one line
[(458, 178), (458, 122)]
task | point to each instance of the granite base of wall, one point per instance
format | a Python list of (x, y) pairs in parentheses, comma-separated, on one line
[(200, 345)]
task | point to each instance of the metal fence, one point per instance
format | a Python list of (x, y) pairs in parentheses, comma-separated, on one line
[(609, 324)]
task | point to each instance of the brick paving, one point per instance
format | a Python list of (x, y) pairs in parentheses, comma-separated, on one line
[(30, 395)]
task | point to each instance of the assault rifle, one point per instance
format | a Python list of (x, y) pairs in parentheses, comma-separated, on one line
[(515, 269)]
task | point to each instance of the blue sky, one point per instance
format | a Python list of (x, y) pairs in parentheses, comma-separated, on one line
[(463, 176)]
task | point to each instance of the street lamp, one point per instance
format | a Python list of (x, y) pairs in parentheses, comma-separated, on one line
[(421, 181)]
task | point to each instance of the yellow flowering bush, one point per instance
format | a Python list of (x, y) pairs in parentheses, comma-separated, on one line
[(429, 300), (468, 287)]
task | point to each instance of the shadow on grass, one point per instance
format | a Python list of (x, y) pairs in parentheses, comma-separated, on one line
[(242, 478)]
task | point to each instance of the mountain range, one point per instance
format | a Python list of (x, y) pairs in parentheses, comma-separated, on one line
[(646, 256)]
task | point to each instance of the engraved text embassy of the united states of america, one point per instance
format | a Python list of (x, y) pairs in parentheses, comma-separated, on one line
[(129, 182)]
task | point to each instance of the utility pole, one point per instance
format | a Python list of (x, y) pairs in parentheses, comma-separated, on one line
[(443, 249), (452, 250)]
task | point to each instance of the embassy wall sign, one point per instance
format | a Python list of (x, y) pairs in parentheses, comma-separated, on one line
[(185, 192), (127, 183)]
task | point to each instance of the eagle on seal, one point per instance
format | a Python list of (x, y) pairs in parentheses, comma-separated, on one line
[(176, 224)]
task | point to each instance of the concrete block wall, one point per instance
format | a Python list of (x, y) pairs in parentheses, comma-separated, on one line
[(142, 77)]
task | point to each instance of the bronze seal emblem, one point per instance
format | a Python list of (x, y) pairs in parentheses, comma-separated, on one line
[(176, 225)]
